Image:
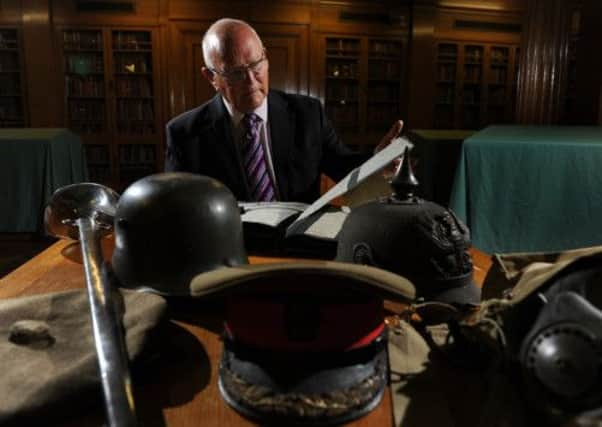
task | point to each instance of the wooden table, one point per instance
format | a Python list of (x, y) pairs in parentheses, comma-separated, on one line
[(183, 391)]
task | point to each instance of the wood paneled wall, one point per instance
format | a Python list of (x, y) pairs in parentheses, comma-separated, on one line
[(544, 62), (290, 29)]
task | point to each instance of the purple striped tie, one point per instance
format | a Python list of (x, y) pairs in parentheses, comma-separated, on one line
[(260, 182)]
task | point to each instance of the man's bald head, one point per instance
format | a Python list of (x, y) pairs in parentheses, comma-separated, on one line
[(236, 64), (223, 40)]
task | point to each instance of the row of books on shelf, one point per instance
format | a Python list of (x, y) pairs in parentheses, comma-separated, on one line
[(82, 39), (447, 72), (9, 61), (473, 54), (97, 154), (135, 109), (342, 46), (340, 90), (129, 174), (10, 84), (84, 64), (136, 128), (445, 95), (128, 154), (497, 96), (8, 39), (342, 113), (137, 153), (88, 110), (132, 63), (471, 96), (99, 173), (87, 128), (499, 56), (126, 86), (382, 114), (341, 69), (11, 110), (447, 51), (385, 48), (92, 86), (498, 75), (383, 92), (472, 74), (131, 40), (384, 70)]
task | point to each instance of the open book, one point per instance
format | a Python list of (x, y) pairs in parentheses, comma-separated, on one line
[(299, 229)]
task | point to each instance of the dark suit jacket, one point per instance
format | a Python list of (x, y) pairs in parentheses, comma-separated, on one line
[(304, 145)]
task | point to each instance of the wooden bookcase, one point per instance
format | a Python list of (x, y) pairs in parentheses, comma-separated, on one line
[(12, 106), (475, 84), (363, 83), (111, 100)]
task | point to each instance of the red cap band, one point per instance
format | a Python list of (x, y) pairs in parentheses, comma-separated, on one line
[(304, 324)]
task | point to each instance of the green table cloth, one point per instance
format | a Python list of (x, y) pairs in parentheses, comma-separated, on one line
[(531, 188), (33, 164)]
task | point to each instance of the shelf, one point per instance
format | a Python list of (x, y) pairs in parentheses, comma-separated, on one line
[(123, 119), (384, 58), (82, 50), (132, 50), (12, 88), (134, 97), (87, 98), (134, 74), (342, 78), (367, 89)]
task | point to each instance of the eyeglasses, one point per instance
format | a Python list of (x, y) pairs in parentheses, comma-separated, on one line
[(238, 74)]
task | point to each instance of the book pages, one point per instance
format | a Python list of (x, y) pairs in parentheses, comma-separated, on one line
[(269, 213)]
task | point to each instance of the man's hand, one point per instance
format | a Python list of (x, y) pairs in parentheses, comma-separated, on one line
[(393, 133)]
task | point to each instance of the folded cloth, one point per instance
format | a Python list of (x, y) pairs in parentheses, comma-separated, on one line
[(518, 274), (48, 354)]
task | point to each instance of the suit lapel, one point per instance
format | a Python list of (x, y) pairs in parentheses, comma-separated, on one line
[(226, 152), (282, 132)]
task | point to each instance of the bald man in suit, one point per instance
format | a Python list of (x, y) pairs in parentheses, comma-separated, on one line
[(297, 142)]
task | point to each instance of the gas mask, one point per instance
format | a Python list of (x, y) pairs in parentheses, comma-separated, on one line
[(546, 333), (561, 354)]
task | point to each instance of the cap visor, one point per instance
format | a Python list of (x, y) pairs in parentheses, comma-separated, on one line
[(388, 284)]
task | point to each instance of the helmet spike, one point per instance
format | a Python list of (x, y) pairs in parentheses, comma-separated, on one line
[(404, 183)]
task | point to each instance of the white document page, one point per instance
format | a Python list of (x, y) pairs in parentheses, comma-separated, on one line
[(374, 164), (328, 225)]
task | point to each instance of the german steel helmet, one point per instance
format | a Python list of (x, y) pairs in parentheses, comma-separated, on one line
[(170, 227), (414, 238)]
